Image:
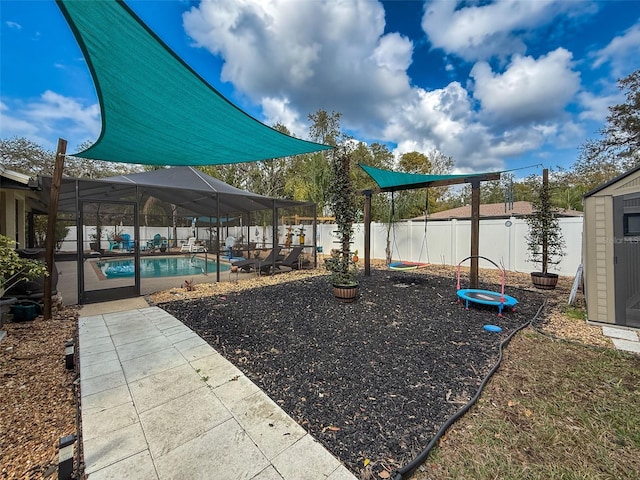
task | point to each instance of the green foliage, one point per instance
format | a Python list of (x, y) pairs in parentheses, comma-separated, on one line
[(13, 268), (342, 202), (40, 225), (617, 149), (544, 240), (29, 158)]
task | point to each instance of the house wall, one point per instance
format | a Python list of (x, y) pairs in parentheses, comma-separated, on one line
[(13, 210)]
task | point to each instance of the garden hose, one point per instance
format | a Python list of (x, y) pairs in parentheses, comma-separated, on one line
[(422, 456)]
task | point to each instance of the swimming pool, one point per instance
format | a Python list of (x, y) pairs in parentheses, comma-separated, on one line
[(153, 267)]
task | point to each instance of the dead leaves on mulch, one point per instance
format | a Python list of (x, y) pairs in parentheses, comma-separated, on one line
[(37, 404)]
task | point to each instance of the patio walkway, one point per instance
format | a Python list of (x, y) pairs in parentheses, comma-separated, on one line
[(159, 403)]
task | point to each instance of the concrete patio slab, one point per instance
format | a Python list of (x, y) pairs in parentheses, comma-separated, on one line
[(179, 421), (622, 333), (159, 403), (626, 345), (139, 466)]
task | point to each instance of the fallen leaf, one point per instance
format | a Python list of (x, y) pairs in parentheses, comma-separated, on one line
[(366, 462), (384, 474)]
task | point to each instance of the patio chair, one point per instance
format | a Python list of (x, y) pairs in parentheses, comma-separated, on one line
[(293, 260), (113, 244), (187, 247), (127, 244), (158, 242), (258, 264)]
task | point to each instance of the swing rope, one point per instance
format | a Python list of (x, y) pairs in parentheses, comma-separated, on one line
[(401, 265)]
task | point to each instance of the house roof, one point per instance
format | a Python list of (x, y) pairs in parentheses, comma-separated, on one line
[(494, 210), (11, 179)]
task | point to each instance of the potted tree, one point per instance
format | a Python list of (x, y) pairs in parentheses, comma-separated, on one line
[(341, 198), (14, 269), (544, 240)]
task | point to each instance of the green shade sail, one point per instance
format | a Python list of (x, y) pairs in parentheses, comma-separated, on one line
[(156, 110), (388, 180)]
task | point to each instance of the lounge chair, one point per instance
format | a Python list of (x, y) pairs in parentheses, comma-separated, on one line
[(293, 260), (261, 265), (186, 247)]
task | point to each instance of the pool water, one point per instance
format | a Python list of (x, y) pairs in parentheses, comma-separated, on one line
[(160, 267)]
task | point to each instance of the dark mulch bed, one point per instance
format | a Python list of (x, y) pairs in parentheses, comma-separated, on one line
[(374, 379)]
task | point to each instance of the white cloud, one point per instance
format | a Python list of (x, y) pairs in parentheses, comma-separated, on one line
[(621, 53), (529, 90), (13, 25), (476, 31), (51, 114), (336, 55), (278, 110), (596, 107), (332, 55)]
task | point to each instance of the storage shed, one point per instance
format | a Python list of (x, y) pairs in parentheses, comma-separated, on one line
[(611, 251)]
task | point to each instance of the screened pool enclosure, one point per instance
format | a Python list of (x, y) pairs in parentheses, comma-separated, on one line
[(174, 212)]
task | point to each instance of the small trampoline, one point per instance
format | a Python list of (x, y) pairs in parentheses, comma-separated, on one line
[(486, 297), (407, 265)]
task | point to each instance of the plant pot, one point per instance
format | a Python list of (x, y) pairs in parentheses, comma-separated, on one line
[(5, 307), (544, 281), (345, 293), (24, 311)]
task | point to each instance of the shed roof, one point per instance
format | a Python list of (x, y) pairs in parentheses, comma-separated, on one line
[(612, 182)]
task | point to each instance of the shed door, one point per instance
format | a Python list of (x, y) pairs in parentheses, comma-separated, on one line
[(626, 218)]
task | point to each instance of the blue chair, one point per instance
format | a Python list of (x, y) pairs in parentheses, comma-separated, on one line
[(126, 242), (112, 243)]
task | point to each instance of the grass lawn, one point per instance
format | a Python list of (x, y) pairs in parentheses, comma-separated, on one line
[(555, 410)]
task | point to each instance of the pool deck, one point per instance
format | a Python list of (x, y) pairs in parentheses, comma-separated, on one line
[(159, 403), (68, 278)]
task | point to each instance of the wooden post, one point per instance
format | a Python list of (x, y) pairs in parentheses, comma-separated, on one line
[(54, 195), (367, 232), (475, 232), (546, 204)]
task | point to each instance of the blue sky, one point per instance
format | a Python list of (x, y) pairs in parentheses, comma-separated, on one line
[(493, 84)]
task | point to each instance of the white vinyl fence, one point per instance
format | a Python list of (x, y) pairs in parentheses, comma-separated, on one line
[(449, 242), (445, 242)]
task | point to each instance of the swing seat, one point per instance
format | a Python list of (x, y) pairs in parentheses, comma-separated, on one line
[(407, 265)]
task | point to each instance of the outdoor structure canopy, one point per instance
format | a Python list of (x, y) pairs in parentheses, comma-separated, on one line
[(156, 110), (193, 192), (390, 181), (185, 187)]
